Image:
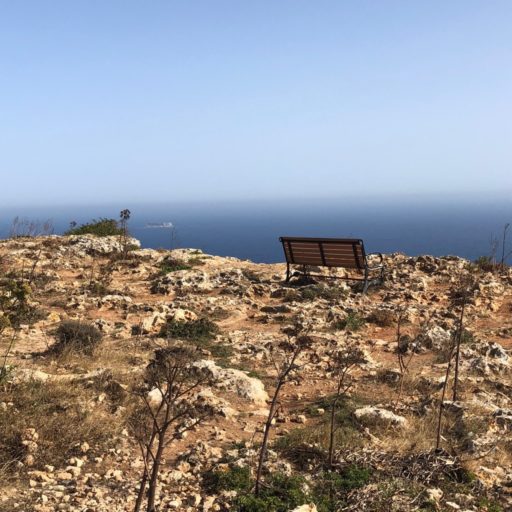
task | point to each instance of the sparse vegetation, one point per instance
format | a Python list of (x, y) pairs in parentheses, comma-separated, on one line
[(331, 488), (285, 358), (341, 362), (171, 264), (490, 262), (353, 322), (485, 263), (311, 443), (382, 317), (333, 432), (201, 329), (55, 411), (100, 227), (163, 419), (73, 336), (283, 492), (21, 228), (15, 309), (315, 291)]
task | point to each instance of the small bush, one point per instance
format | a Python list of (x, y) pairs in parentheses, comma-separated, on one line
[(352, 322), (234, 479), (353, 477), (488, 264), (280, 493), (201, 333), (196, 261), (202, 329), (331, 488), (382, 317), (284, 492), (467, 337), (101, 227), (75, 336), (98, 288), (170, 264)]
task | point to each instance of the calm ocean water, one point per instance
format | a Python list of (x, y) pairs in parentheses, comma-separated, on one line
[(251, 229)]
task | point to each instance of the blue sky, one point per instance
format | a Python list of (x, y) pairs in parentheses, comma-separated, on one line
[(104, 100)]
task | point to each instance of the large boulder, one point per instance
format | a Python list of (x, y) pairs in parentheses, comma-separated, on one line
[(235, 380), (83, 245), (487, 358), (435, 338), (371, 415)]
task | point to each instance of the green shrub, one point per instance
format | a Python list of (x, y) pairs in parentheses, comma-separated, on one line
[(291, 491), (234, 479), (76, 336), (170, 264), (353, 477), (352, 322), (280, 493), (101, 227), (200, 333), (202, 329), (251, 503), (331, 488)]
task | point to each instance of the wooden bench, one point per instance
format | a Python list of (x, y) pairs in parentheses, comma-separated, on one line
[(332, 252)]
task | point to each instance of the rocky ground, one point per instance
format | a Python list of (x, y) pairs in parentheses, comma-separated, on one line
[(65, 437)]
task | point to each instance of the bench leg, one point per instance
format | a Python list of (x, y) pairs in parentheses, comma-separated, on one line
[(366, 282), (287, 272)]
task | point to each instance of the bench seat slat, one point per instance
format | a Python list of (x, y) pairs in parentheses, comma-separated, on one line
[(318, 254)]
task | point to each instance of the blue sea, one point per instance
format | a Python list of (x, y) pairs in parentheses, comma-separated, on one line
[(251, 229)]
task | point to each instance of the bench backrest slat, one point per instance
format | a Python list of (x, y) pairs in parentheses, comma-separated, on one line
[(326, 252)]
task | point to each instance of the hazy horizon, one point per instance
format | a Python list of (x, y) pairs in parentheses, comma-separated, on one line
[(124, 102), (251, 229)]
